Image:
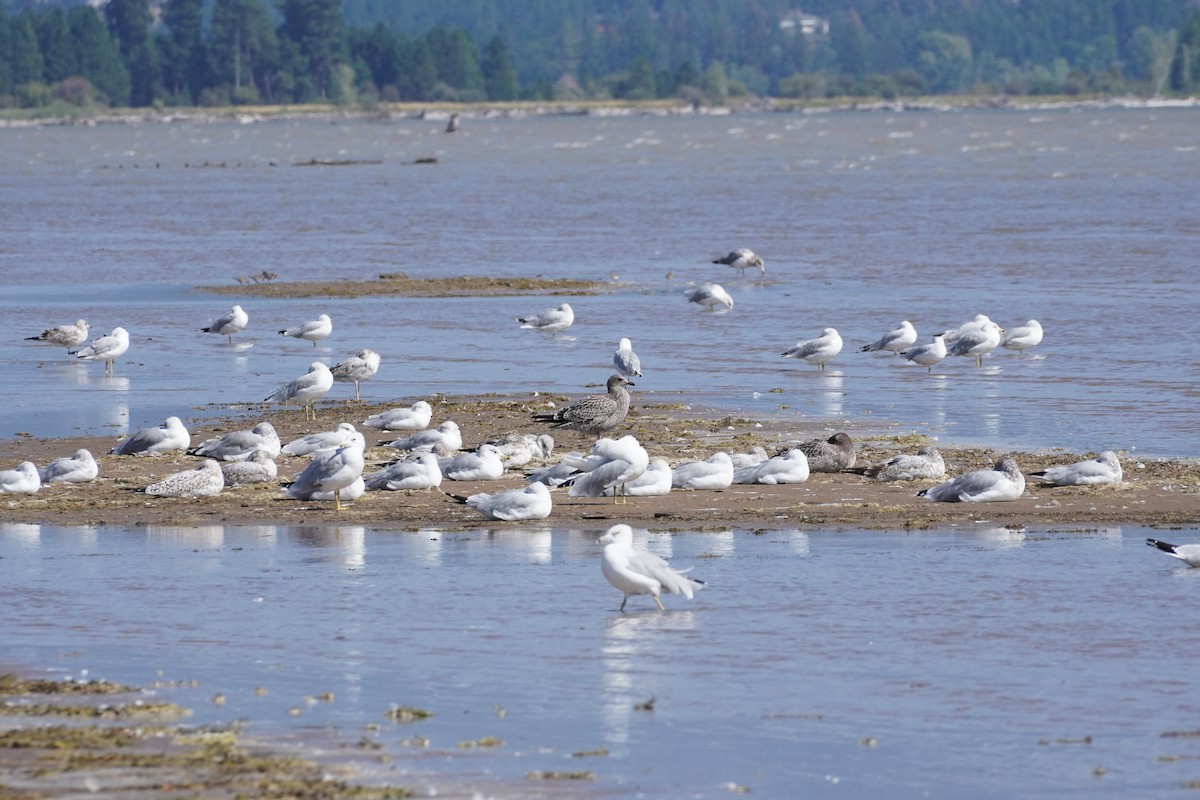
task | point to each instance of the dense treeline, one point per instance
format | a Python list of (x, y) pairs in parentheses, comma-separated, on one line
[(221, 52)]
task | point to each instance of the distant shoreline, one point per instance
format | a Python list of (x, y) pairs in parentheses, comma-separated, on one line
[(441, 112)]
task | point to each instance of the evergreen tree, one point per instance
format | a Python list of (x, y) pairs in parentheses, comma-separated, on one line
[(499, 79), (99, 60), (59, 60), (6, 83), (25, 56), (242, 49), (317, 29), (456, 60), (185, 62), (129, 23)]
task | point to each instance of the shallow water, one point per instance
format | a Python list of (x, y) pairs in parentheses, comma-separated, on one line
[(1084, 220), (946, 663)]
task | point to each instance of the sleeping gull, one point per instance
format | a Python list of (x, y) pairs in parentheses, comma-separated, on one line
[(716, 472), (203, 481), (77, 468), (330, 471), (313, 330), (530, 502), (927, 355), (926, 464), (791, 467), (423, 473), (710, 295), (977, 341), (482, 465), (896, 341), (171, 435), (595, 413), (67, 336), (756, 455), (1023, 337), (239, 445), (654, 482), (107, 349), (626, 361), (829, 455), (356, 369), (977, 323), (639, 572), (315, 442), (1187, 553), (22, 480), (742, 259), (1002, 482), (610, 463), (257, 467), (551, 320), (234, 321), (414, 418), (819, 351), (556, 474), (518, 449), (305, 390), (446, 434), (1105, 468)]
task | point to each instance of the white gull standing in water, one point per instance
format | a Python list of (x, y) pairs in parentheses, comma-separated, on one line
[(77, 468), (976, 341), (929, 354), (313, 330), (358, 368), (710, 295), (639, 572), (1002, 482), (233, 321), (895, 341), (1187, 553), (595, 413), (1023, 337), (626, 361), (67, 336), (305, 390), (552, 320), (414, 418), (1105, 468), (203, 481), (171, 435), (742, 259), (107, 349), (819, 351)]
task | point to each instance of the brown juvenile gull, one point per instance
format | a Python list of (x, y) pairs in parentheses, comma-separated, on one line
[(67, 336), (595, 413), (830, 455), (258, 467), (203, 481), (926, 464)]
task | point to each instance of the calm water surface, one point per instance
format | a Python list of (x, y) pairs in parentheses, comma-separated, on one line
[(1084, 220), (958, 663)]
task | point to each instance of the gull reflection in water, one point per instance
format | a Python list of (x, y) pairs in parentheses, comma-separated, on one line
[(534, 543), (27, 534), (832, 395), (635, 642), (344, 544), (192, 535)]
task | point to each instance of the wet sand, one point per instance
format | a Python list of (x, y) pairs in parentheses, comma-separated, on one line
[(1161, 493)]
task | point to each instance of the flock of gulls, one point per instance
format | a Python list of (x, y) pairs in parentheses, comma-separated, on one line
[(425, 457)]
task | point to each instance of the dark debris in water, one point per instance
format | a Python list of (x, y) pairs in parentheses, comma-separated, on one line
[(399, 284)]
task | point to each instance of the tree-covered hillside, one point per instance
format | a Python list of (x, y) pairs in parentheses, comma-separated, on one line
[(217, 52)]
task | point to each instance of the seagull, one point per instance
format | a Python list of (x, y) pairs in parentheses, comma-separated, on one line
[(330, 471), (926, 464), (1187, 553), (638, 572), (356, 369), (325, 440), (171, 435), (203, 481), (414, 418), (927, 355), (557, 474), (240, 445), (446, 434), (482, 465), (517, 450), (423, 473), (107, 349), (756, 455), (742, 259), (1105, 468), (626, 361), (611, 463), (234, 321), (819, 351), (22, 480), (977, 323), (351, 492), (710, 295), (77, 468), (829, 455), (67, 336), (313, 330), (258, 467), (595, 413), (551, 320), (654, 482), (530, 502), (1023, 337), (714, 473), (1003, 481), (306, 389), (791, 467), (977, 341), (896, 341)]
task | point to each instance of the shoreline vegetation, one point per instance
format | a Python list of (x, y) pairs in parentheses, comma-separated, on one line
[(442, 112)]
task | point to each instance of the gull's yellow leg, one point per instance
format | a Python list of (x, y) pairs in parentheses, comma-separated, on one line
[(337, 500), (659, 602)]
